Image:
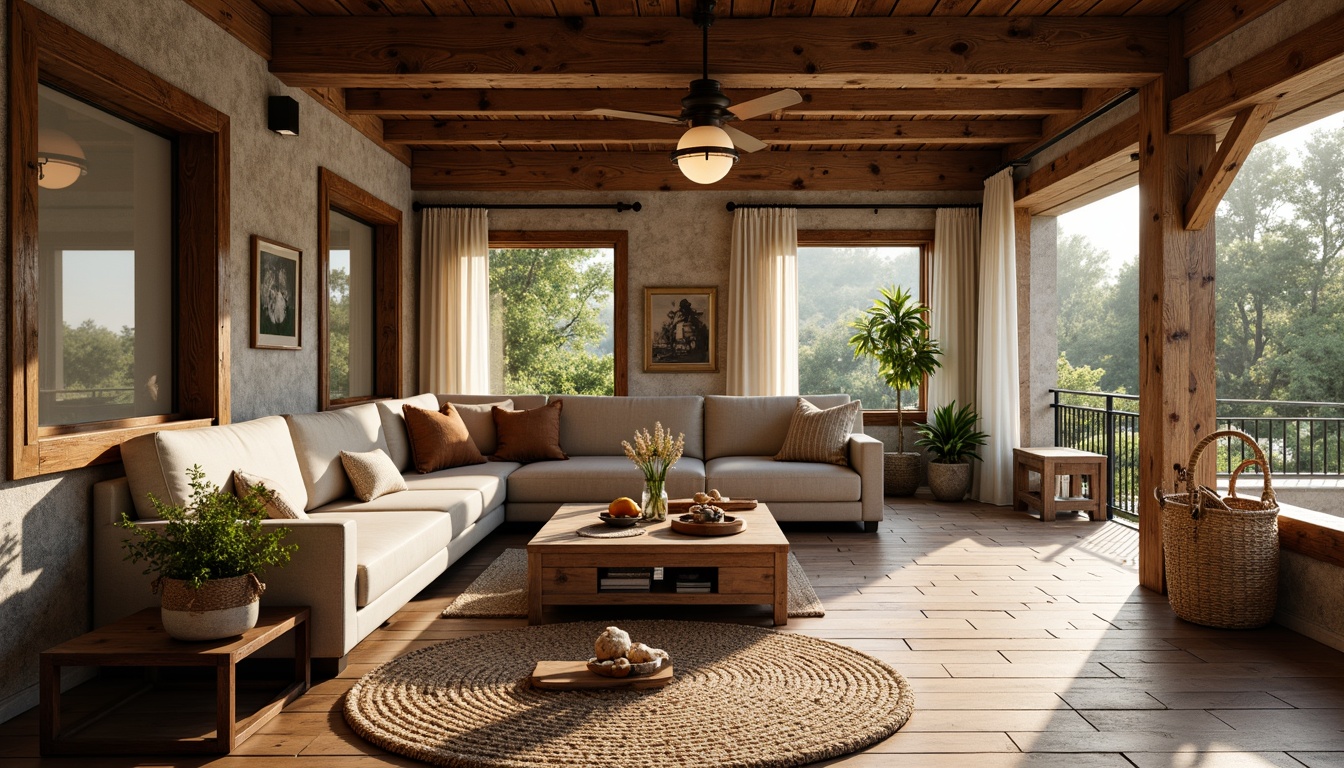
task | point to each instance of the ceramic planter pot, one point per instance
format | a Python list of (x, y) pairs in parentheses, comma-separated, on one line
[(220, 608), (949, 482), (902, 473)]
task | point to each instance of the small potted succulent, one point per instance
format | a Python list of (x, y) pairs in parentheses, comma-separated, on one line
[(951, 436), (209, 557), (895, 333)]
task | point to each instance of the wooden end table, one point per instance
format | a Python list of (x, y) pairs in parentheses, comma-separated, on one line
[(1050, 463), (751, 567), (140, 641)]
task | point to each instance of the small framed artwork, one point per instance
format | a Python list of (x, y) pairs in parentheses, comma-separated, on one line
[(277, 295), (680, 330)]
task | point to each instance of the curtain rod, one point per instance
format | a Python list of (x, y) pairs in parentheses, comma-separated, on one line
[(1098, 112), (618, 207), (852, 206)]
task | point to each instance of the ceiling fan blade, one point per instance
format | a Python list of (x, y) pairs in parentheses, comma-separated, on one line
[(766, 104), (648, 116), (743, 141)]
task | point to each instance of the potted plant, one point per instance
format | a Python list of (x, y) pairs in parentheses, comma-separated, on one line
[(894, 332), (209, 557), (952, 438)]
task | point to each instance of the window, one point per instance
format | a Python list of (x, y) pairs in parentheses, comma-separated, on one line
[(558, 313), (359, 243), (839, 274), (119, 232)]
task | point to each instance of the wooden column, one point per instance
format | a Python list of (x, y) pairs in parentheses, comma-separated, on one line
[(1176, 316)]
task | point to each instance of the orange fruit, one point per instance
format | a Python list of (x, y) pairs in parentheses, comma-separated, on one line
[(623, 507)]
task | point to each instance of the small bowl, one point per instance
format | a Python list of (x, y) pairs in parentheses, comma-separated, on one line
[(617, 522)]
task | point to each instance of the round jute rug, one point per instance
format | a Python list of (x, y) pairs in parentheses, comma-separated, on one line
[(742, 696)]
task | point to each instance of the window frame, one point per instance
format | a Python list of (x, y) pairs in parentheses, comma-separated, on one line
[(898, 238), (345, 196), (45, 51), (616, 239)]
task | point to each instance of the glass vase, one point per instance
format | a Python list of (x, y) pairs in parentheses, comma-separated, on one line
[(653, 502)]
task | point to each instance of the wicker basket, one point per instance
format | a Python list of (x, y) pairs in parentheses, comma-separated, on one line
[(902, 473), (1222, 554)]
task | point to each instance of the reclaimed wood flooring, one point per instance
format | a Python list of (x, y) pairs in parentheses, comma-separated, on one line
[(1028, 644)]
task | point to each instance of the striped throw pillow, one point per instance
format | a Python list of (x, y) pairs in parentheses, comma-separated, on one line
[(817, 435)]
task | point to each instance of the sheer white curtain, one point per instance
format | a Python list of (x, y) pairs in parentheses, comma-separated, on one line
[(763, 303), (956, 249), (455, 301), (996, 393)]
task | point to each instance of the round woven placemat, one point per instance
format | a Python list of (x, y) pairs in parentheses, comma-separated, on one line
[(743, 696), (604, 531)]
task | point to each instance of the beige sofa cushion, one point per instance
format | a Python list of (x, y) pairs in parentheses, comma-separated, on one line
[(394, 425), (157, 463), (764, 479), (319, 439), (489, 478), (592, 425), (389, 546), (753, 426), (463, 507), (598, 479)]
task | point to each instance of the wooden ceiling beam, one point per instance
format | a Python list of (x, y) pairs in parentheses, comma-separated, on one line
[(593, 132), (1310, 59), (895, 102), (485, 52), (648, 171), (1096, 163)]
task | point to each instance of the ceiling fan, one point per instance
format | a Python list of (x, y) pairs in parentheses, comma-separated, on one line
[(708, 150)]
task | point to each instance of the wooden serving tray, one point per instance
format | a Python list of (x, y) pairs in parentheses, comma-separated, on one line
[(728, 527), (574, 676), (682, 506)]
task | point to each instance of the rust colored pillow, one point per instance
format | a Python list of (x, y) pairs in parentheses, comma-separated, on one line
[(439, 440), (526, 436)]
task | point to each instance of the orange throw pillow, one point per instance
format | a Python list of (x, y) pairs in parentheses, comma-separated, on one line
[(526, 436), (439, 440)]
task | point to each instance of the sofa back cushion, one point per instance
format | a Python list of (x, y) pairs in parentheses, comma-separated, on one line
[(157, 463), (754, 426), (594, 425), (319, 439), (394, 425)]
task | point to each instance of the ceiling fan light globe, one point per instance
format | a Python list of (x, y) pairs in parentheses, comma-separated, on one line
[(61, 161), (706, 167)]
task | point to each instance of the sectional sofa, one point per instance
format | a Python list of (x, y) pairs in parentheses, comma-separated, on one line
[(360, 562)]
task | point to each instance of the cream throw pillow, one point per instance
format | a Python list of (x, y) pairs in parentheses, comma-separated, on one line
[(372, 474), (817, 435), (278, 507)]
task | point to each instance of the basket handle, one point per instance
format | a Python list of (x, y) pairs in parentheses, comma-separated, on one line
[(1187, 474)]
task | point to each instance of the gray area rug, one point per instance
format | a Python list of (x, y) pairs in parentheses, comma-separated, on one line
[(500, 592)]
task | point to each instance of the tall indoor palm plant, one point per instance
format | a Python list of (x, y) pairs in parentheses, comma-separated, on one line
[(895, 333)]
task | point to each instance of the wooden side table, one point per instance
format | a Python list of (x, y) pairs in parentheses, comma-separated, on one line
[(1050, 463), (140, 641)]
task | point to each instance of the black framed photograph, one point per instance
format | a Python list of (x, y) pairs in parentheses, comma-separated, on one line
[(680, 330), (277, 295)]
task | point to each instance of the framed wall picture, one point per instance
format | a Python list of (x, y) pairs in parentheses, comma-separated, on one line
[(277, 295), (680, 330)]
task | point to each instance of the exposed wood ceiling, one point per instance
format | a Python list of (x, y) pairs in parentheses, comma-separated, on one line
[(898, 94)]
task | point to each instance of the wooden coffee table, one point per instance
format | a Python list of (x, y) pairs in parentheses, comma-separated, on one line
[(749, 568)]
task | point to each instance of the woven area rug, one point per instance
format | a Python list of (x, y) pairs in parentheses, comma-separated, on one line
[(500, 592), (742, 696)]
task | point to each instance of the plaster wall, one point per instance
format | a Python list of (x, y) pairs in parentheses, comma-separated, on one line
[(45, 522), (1309, 602), (1038, 345)]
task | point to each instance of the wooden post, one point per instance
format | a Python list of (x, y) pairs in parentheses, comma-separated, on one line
[(1176, 314)]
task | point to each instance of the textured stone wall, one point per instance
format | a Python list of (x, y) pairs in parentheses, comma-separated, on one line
[(44, 522)]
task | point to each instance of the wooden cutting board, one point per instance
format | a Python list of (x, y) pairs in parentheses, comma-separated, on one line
[(574, 676), (682, 506)]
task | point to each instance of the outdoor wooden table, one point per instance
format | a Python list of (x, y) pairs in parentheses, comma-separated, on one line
[(1050, 463)]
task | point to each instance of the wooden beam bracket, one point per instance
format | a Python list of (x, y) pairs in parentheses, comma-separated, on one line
[(1236, 146)]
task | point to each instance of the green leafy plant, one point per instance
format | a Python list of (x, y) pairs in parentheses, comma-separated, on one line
[(895, 333), (951, 435), (216, 536)]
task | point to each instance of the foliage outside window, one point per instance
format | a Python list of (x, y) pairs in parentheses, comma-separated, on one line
[(554, 309), (350, 308), (837, 281)]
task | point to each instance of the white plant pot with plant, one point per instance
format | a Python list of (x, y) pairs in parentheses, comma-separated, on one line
[(209, 557), (951, 437), (894, 332)]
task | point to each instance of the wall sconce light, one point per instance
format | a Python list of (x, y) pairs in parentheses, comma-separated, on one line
[(60, 159), (282, 115)]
